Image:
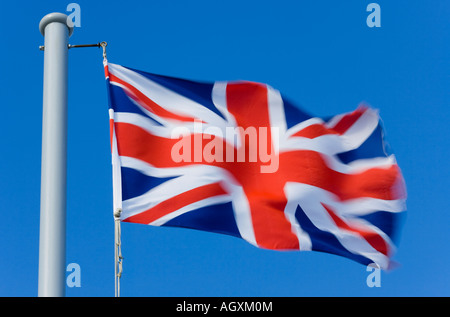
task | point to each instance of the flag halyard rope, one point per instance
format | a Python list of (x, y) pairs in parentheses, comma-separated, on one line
[(118, 258), (117, 199)]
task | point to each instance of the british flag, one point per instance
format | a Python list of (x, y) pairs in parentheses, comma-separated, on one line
[(235, 157)]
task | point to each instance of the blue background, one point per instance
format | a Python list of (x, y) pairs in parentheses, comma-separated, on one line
[(319, 54)]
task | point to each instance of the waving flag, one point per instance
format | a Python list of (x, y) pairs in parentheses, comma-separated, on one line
[(238, 159)]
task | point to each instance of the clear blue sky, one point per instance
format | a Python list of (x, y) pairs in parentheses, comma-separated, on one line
[(320, 54)]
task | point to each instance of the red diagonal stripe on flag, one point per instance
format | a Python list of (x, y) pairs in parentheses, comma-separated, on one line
[(146, 102), (348, 120), (177, 202), (373, 238), (314, 131)]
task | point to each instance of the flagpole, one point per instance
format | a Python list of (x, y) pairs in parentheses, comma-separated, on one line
[(52, 237)]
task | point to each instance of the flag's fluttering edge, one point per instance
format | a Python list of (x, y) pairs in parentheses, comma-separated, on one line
[(236, 158)]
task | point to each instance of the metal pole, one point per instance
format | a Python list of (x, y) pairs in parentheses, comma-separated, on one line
[(52, 237)]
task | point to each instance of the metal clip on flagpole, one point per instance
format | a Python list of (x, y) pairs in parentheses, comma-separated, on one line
[(103, 45)]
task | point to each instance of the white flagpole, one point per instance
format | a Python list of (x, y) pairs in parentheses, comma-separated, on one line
[(52, 237)]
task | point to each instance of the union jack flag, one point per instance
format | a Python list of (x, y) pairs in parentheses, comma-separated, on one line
[(237, 158)]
